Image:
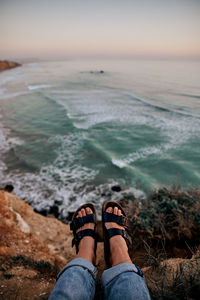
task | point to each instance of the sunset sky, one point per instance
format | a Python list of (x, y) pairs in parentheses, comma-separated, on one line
[(108, 28)]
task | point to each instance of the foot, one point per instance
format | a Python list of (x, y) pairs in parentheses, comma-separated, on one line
[(87, 243), (118, 246)]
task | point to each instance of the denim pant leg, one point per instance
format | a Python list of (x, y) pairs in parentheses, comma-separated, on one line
[(77, 280), (123, 282)]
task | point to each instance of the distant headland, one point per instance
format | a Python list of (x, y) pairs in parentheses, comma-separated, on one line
[(5, 65)]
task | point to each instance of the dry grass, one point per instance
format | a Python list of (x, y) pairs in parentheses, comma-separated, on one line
[(175, 279)]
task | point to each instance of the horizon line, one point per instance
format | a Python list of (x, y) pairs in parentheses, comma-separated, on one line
[(33, 58)]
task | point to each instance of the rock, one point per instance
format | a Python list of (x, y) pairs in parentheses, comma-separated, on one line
[(4, 65), (43, 212), (70, 215), (116, 188), (58, 202), (97, 72), (54, 210), (9, 188), (19, 224), (22, 224)]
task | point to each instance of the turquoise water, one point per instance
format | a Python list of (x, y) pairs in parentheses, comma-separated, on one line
[(69, 133)]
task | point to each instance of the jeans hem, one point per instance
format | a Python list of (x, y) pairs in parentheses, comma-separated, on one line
[(81, 262), (109, 274)]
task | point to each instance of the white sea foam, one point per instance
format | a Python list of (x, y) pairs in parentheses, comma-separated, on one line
[(119, 163), (143, 153), (2, 91), (69, 184), (7, 79), (39, 86), (55, 181), (13, 95), (92, 107), (6, 143), (177, 132)]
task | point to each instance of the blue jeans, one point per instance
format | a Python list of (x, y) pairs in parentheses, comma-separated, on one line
[(77, 281)]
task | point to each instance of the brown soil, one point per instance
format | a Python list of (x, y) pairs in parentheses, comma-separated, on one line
[(33, 248)]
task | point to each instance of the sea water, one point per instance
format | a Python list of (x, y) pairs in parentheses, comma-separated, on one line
[(69, 133)]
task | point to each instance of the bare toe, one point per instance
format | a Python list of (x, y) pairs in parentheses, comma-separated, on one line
[(79, 214), (119, 212), (109, 210), (115, 210), (88, 211), (83, 212)]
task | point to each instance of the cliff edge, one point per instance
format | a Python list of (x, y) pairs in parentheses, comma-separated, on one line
[(33, 248)]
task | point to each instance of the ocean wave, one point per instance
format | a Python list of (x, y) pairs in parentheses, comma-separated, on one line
[(189, 95), (88, 109), (6, 143), (178, 133), (145, 153), (7, 79), (46, 189), (119, 163), (13, 95), (64, 182), (92, 107), (2, 91), (39, 86), (163, 107), (58, 181)]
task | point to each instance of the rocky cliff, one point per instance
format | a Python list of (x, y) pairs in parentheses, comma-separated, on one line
[(4, 65), (33, 248)]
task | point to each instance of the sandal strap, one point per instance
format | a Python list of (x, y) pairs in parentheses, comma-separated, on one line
[(79, 222), (120, 220), (116, 231), (79, 235)]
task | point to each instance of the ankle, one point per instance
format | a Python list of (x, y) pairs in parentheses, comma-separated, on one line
[(87, 249), (119, 251), (118, 242)]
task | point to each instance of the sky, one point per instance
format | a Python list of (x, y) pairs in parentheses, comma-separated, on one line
[(95, 28)]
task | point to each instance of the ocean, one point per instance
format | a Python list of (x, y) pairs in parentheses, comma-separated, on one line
[(71, 130)]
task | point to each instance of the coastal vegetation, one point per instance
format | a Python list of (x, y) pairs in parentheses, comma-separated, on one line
[(164, 230), (169, 218)]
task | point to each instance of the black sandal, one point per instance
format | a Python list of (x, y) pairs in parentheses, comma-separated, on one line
[(77, 223), (108, 233)]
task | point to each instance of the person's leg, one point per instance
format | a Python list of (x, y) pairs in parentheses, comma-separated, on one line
[(123, 280), (77, 280)]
